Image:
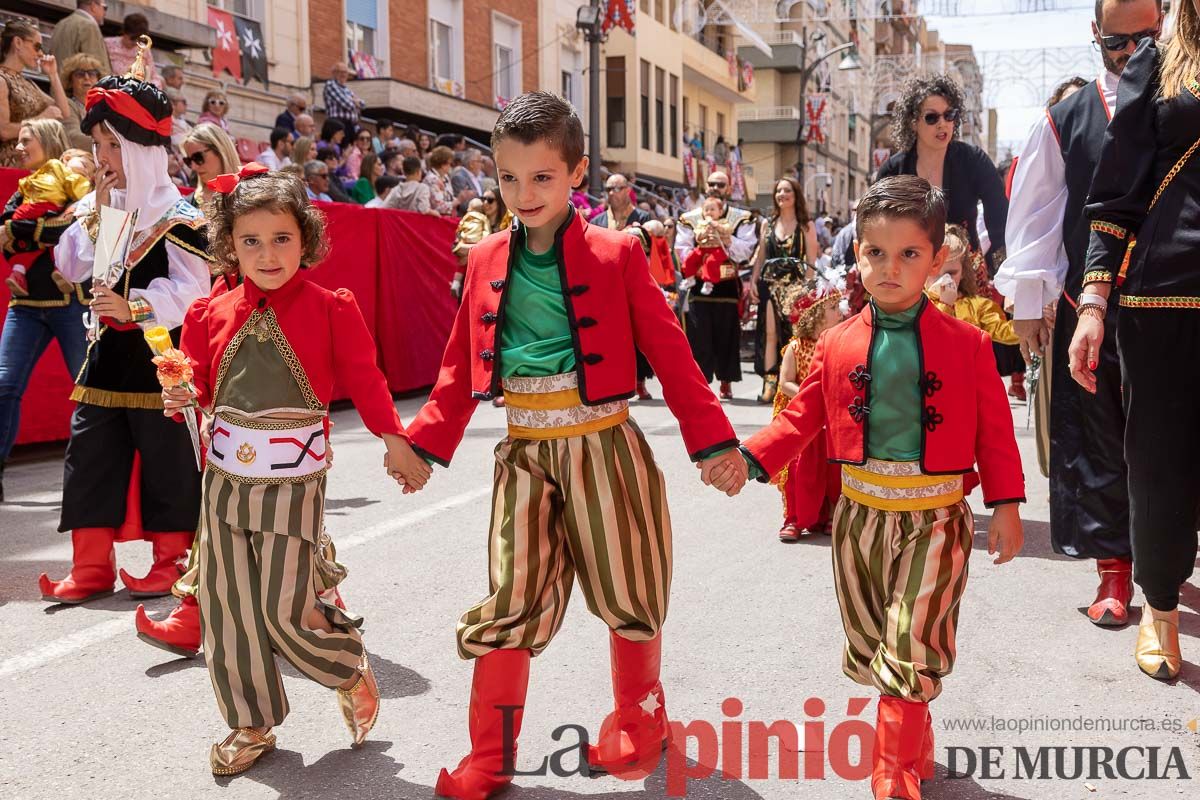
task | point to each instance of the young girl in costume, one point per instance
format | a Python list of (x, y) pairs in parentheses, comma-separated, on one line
[(810, 485), (264, 357), (954, 290)]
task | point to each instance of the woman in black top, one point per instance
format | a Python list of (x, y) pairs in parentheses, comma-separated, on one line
[(1146, 189)]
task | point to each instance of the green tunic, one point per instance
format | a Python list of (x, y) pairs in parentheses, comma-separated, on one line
[(894, 424), (536, 340)]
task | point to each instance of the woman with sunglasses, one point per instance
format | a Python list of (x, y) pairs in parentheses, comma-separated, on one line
[(79, 73), (356, 153), (214, 108), (1144, 214), (21, 49), (208, 152)]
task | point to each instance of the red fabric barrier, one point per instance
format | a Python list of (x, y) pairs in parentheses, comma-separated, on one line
[(397, 264)]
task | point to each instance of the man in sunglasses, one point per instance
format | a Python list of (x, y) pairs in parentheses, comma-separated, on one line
[(1043, 277), (713, 320), (297, 104)]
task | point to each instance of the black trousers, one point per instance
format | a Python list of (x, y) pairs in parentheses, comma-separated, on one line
[(1089, 492), (1160, 365), (714, 331), (99, 459)]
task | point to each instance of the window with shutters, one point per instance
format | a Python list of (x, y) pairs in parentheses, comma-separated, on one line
[(614, 80), (250, 9), (362, 21), (506, 58), (446, 46)]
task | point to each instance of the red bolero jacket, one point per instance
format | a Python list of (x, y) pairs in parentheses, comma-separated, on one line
[(965, 419), (613, 306), (325, 330)]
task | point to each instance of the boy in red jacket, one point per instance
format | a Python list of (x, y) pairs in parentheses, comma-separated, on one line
[(551, 314), (912, 401)]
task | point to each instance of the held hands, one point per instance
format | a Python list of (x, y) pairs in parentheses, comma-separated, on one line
[(176, 399), (1005, 533), (108, 303), (727, 472), (406, 467)]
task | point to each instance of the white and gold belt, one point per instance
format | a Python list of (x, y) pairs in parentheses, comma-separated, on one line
[(550, 408), (278, 451), (899, 486)]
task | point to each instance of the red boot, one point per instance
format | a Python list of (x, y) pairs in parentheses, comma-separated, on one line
[(634, 735), (927, 751), (900, 730), (179, 633), (1111, 609), (501, 679), (17, 285), (93, 569), (1016, 387), (726, 391), (642, 392), (170, 561)]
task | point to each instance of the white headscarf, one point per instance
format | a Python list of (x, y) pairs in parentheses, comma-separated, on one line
[(148, 185)]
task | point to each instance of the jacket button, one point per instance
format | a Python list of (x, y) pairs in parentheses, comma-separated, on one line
[(593, 358), (498, 284), (586, 322), (487, 355), (488, 317), (575, 291)]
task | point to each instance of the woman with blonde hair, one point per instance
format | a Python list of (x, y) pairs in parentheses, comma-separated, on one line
[(214, 108), (302, 150), (208, 152), (79, 73), (1144, 209)]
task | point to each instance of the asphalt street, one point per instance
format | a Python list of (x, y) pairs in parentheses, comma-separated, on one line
[(94, 713)]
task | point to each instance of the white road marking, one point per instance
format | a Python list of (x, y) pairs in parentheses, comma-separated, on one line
[(71, 643)]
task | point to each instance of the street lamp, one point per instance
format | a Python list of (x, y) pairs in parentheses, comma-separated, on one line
[(850, 61), (587, 20)]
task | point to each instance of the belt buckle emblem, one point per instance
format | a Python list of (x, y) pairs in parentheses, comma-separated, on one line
[(246, 453)]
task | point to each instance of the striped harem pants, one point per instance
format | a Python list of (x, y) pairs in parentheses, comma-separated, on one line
[(900, 575), (256, 588), (593, 505)]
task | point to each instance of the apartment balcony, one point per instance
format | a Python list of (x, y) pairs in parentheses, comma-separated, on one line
[(787, 48), (703, 67), (770, 124)]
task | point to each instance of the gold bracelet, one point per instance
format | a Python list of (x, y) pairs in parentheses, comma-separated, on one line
[(1091, 309)]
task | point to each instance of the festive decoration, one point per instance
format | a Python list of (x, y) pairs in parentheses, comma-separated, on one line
[(174, 370), (816, 112), (254, 52), (226, 53), (880, 156), (745, 75), (365, 65), (736, 176), (689, 167), (619, 14), (731, 60), (227, 183)]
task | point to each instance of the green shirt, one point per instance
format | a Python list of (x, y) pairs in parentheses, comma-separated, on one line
[(894, 424), (536, 340)]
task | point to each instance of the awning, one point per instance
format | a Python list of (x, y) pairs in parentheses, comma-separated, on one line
[(718, 13)]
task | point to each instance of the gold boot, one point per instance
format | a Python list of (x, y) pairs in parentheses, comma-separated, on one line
[(1157, 650), (242, 748), (360, 703)]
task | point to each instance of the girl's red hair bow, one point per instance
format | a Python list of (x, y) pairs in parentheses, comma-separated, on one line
[(227, 183)]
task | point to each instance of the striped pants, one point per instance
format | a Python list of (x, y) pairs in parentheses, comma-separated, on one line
[(900, 576), (255, 590), (593, 505)]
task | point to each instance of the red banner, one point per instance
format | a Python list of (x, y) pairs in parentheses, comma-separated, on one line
[(816, 112), (618, 14), (397, 264), (226, 53)]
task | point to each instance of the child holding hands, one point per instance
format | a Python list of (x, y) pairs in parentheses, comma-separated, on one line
[(911, 400), (264, 358)]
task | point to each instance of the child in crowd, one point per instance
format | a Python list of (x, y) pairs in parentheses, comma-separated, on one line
[(809, 483), (264, 357), (552, 311), (954, 291), (710, 262), (910, 401)]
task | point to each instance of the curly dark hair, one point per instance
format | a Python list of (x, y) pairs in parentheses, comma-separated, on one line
[(280, 192), (904, 117)]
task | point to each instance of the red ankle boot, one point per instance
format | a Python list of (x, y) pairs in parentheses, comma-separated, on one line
[(501, 679), (900, 730), (1016, 387), (93, 569), (726, 391), (634, 735), (170, 561), (1111, 608), (642, 392), (179, 633)]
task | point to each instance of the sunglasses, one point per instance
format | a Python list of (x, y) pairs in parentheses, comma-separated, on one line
[(615, 188), (489, 199), (717, 184), (196, 159), (37, 46), (94, 74), (1119, 41), (216, 101), (950, 115), (365, 138)]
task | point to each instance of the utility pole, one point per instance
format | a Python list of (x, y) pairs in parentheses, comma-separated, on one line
[(587, 20)]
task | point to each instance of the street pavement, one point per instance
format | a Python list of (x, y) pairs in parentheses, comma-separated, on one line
[(94, 713)]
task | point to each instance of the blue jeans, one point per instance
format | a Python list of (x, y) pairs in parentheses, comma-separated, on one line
[(27, 334)]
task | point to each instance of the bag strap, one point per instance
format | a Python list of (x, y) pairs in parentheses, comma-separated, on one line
[(1170, 176)]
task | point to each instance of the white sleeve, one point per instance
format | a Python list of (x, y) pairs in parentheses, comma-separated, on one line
[(745, 239), (74, 254), (685, 241), (188, 280), (1032, 276)]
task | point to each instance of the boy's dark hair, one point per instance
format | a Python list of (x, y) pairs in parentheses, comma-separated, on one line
[(324, 153), (385, 183), (280, 192), (384, 123), (411, 165), (278, 135), (908, 197), (536, 116)]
